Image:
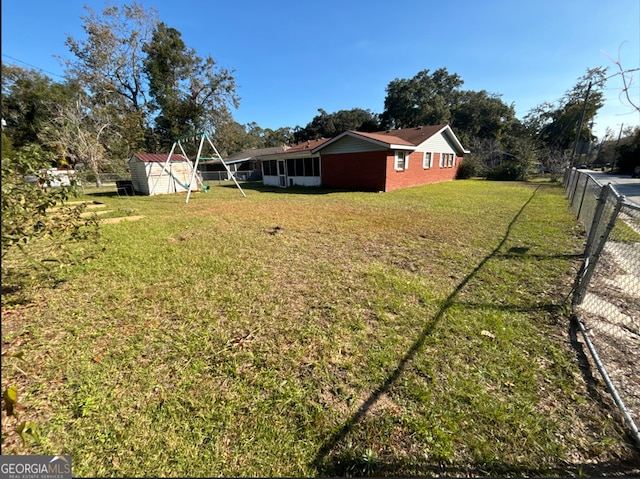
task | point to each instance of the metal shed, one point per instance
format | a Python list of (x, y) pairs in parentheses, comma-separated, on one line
[(146, 170)]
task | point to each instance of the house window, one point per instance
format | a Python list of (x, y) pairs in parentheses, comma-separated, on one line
[(402, 160), (447, 160), (427, 162)]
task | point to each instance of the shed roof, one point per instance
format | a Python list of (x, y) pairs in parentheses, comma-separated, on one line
[(157, 157)]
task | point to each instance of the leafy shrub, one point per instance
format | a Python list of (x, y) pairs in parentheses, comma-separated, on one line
[(629, 158), (470, 167), (508, 171)]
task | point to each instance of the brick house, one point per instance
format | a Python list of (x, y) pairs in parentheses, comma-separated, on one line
[(392, 159), (380, 161)]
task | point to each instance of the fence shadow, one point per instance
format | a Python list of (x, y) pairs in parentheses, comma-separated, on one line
[(326, 465)]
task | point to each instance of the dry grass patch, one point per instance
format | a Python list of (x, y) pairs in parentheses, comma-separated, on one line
[(291, 333)]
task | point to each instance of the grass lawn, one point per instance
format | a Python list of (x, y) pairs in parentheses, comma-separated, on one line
[(303, 333)]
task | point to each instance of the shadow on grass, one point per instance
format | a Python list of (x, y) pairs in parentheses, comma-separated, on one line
[(351, 465), (594, 387), (326, 464), (329, 462), (291, 190), (106, 194), (15, 285)]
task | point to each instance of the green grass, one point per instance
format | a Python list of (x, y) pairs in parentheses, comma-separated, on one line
[(310, 332)]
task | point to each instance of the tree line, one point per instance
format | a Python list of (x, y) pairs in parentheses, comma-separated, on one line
[(132, 84)]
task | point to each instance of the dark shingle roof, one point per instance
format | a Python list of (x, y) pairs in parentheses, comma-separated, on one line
[(406, 136), (307, 145)]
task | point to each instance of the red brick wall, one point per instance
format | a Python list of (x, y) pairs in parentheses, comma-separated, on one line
[(366, 171), (416, 175), (354, 171)]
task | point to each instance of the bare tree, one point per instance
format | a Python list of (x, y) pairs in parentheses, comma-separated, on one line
[(554, 161), (627, 80), (78, 132), (108, 64)]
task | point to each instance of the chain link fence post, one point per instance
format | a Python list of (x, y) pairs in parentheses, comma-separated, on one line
[(606, 293)]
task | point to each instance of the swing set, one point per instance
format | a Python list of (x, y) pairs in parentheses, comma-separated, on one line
[(194, 166)]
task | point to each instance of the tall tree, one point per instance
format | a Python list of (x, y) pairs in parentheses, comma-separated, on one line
[(479, 114), (279, 137), (556, 124), (108, 64), (25, 96), (629, 153), (328, 125), (189, 93), (425, 99)]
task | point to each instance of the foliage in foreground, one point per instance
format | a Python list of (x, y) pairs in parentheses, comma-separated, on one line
[(305, 333), (26, 205), (33, 212)]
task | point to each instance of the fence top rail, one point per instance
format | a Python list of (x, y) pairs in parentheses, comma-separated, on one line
[(619, 197), (630, 204)]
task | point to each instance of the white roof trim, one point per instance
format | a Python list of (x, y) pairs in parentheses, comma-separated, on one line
[(401, 147), (241, 160), (454, 138)]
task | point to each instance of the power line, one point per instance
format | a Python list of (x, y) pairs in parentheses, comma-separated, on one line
[(32, 66)]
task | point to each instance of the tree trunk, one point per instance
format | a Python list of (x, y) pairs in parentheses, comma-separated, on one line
[(94, 168)]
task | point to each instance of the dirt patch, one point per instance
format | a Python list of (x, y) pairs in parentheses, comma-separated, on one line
[(121, 219)]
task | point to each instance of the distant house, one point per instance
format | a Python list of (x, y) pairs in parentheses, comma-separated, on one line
[(380, 161), (243, 165), (146, 171), (53, 177)]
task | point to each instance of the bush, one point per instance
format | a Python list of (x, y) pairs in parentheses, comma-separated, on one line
[(629, 153), (508, 171), (470, 167)]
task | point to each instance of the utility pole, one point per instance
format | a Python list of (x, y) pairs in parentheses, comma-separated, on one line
[(584, 108), (615, 150)]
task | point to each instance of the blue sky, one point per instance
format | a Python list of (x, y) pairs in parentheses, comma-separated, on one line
[(291, 58)]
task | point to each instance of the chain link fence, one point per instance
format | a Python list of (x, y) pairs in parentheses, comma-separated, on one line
[(606, 300)]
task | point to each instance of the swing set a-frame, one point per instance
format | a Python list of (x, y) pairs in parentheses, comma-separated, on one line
[(194, 165)]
